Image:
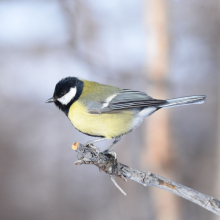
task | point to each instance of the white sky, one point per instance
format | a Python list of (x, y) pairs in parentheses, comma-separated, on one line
[(25, 24), (28, 24)]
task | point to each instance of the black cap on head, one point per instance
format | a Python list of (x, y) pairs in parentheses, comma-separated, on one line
[(63, 87)]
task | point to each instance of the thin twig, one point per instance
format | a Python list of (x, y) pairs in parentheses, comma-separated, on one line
[(113, 180), (109, 164)]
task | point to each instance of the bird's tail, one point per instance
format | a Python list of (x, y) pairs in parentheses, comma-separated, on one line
[(199, 99)]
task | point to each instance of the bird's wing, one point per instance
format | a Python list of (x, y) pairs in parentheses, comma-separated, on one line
[(126, 99)]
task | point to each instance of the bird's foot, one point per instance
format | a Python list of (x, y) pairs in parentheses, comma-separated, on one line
[(90, 144), (111, 153)]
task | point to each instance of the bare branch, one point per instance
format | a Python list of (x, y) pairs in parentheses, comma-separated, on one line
[(108, 163)]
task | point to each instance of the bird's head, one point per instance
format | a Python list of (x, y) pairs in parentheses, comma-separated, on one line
[(66, 92)]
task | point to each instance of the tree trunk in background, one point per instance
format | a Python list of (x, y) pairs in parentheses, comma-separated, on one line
[(217, 185), (158, 155)]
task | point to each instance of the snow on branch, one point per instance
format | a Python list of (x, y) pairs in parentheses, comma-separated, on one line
[(109, 164)]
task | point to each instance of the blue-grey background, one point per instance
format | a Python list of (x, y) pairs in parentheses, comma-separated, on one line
[(42, 41)]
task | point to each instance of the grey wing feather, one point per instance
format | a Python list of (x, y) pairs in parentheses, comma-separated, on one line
[(126, 99)]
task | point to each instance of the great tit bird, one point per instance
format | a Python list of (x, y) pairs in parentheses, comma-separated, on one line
[(106, 111)]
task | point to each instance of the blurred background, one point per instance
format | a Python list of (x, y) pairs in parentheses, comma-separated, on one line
[(165, 48)]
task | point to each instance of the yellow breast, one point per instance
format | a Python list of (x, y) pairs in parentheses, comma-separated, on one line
[(108, 125)]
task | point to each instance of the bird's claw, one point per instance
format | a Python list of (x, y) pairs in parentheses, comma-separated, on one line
[(92, 146), (111, 152), (88, 144)]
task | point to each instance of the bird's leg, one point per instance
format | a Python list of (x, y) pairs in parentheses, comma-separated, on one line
[(106, 151), (94, 141), (90, 143)]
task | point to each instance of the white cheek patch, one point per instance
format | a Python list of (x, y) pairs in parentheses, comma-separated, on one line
[(108, 100), (68, 96)]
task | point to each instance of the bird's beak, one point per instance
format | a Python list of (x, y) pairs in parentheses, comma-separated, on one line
[(50, 100)]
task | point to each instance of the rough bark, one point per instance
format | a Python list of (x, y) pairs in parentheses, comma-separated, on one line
[(109, 164)]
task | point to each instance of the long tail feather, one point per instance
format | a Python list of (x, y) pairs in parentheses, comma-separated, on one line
[(199, 99)]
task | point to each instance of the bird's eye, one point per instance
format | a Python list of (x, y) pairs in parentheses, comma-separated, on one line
[(62, 94)]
